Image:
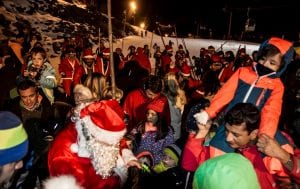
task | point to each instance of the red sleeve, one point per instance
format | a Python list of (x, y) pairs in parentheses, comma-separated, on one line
[(129, 107), (194, 153)]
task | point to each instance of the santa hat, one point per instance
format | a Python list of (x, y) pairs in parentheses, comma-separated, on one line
[(14, 140), (185, 70), (105, 119), (156, 105), (169, 49), (106, 52), (88, 53), (215, 58)]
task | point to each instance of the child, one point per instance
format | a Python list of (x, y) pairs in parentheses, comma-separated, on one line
[(259, 85), (42, 72), (170, 159), (166, 174), (153, 134)]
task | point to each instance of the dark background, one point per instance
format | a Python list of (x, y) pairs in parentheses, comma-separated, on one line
[(272, 17)]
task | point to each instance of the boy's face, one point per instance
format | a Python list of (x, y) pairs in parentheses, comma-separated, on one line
[(89, 61), (271, 62), (237, 136), (37, 60), (168, 161)]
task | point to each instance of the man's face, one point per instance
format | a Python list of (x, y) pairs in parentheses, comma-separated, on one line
[(89, 61), (152, 116), (71, 54), (271, 62), (29, 97), (8, 170), (237, 136)]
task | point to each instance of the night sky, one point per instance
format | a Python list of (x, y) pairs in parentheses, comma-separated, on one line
[(273, 17)]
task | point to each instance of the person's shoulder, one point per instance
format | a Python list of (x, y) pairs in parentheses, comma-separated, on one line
[(135, 93)]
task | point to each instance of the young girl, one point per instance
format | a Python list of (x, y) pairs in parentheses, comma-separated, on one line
[(154, 134), (42, 72)]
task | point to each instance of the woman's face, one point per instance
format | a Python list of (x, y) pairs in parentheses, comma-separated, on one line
[(271, 62), (37, 60)]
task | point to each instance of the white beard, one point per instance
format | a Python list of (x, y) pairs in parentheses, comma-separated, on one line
[(103, 156)]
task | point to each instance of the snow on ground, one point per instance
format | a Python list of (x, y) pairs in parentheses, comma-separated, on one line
[(193, 45)]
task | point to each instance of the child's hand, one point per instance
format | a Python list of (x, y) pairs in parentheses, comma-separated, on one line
[(203, 129)]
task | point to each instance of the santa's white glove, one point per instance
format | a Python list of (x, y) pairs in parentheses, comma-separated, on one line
[(201, 117)]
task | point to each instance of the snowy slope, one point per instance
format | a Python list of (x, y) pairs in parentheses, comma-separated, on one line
[(46, 24)]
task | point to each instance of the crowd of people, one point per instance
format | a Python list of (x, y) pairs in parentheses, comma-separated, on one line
[(218, 120)]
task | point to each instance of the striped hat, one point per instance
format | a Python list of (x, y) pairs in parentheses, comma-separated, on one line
[(13, 138)]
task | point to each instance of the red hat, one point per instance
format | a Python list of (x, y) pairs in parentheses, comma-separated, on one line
[(185, 70), (169, 49), (88, 53), (156, 105), (281, 44), (215, 58), (105, 119), (106, 51)]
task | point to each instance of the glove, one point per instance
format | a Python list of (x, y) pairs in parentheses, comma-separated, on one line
[(201, 117)]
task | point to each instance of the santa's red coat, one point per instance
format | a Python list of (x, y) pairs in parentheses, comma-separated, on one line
[(62, 161)]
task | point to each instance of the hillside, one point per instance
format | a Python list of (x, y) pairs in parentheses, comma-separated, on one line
[(53, 18)]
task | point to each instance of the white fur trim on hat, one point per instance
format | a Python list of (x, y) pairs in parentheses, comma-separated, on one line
[(90, 56), (62, 182), (185, 74), (109, 137)]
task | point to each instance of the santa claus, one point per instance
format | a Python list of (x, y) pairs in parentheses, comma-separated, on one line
[(91, 148)]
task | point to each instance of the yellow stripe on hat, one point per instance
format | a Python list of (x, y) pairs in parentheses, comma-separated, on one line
[(12, 137)]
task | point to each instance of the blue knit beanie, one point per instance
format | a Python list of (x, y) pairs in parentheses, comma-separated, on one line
[(13, 138)]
